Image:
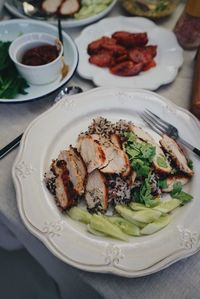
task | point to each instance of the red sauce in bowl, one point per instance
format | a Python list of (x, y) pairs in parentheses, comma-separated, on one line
[(40, 55)]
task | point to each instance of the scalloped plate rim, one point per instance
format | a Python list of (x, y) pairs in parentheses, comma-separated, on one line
[(182, 253), (93, 75)]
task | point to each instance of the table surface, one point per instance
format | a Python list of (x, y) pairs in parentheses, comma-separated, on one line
[(180, 280)]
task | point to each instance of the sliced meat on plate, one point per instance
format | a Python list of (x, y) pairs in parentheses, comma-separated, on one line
[(160, 162), (51, 6), (96, 194), (76, 168), (172, 179), (126, 68), (175, 152), (100, 44), (116, 161), (69, 7), (129, 40), (65, 194), (115, 139), (91, 151), (144, 55), (104, 59)]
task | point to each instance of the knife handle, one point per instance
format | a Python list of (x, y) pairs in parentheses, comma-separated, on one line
[(10, 146)]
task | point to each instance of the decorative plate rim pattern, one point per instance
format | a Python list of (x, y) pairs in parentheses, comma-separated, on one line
[(69, 241), (169, 57)]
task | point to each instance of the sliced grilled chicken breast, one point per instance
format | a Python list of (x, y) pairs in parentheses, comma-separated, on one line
[(76, 168), (91, 151), (115, 139), (96, 194), (51, 6), (69, 7), (172, 179), (116, 161), (64, 191), (176, 154), (146, 137)]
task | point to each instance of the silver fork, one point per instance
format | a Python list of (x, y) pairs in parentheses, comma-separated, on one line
[(161, 126)]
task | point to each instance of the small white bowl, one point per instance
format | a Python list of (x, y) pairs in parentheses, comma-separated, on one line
[(37, 75)]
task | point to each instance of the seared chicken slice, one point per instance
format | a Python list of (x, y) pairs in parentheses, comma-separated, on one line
[(146, 137), (76, 168), (176, 154), (96, 194), (132, 178), (116, 161), (51, 6), (69, 7), (64, 191), (115, 139), (172, 179), (91, 151)]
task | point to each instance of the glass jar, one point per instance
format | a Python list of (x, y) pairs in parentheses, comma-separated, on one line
[(150, 8), (187, 28)]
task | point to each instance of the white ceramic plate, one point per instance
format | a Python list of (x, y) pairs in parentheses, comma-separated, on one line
[(12, 7), (169, 54), (68, 239), (9, 30)]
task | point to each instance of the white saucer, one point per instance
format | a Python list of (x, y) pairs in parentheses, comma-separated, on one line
[(11, 29)]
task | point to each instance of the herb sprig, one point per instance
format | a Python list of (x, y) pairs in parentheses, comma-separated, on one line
[(140, 154), (11, 83), (179, 194)]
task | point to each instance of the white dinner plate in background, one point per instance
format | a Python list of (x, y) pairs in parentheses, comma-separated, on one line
[(169, 56), (67, 22)]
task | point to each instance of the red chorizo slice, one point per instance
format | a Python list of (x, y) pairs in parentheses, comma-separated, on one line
[(143, 55), (151, 49), (130, 40), (138, 55), (103, 59), (126, 68), (149, 65), (97, 45), (116, 50)]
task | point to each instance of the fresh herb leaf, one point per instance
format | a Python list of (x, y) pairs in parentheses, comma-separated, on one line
[(11, 83), (161, 6), (5, 60), (162, 184), (162, 162), (144, 196), (190, 164), (184, 197), (177, 188), (140, 167), (140, 154), (179, 194)]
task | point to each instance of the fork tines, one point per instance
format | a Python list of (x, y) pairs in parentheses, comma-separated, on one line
[(155, 122)]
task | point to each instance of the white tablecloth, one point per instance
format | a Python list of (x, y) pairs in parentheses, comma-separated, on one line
[(180, 280)]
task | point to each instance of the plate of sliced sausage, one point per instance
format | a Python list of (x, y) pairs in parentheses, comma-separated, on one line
[(128, 52)]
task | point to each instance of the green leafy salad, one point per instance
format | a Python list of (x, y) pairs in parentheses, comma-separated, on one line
[(129, 181), (91, 7), (11, 83)]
